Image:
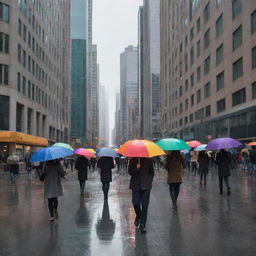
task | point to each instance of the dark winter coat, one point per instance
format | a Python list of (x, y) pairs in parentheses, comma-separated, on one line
[(174, 163), (223, 160), (203, 161), (82, 167), (142, 178), (52, 184), (106, 164)]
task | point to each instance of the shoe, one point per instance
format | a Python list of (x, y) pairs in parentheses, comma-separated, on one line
[(228, 193), (56, 215), (143, 229), (51, 219), (137, 221)]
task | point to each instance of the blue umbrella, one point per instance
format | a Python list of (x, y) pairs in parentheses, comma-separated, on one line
[(50, 153), (201, 147), (107, 152)]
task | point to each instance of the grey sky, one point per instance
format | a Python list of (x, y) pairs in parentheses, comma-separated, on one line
[(114, 28)]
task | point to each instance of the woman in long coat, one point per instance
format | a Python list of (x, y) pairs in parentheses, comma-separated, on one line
[(106, 164), (53, 173), (223, 160), (203, 161), (82, 167), (174, 164)]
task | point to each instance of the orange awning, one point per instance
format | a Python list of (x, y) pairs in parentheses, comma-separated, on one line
[(22, 138)]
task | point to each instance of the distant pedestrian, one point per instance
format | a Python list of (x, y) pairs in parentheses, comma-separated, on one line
[(203, 161), (223, 160), (93, 163), (142, 174), (82, 168), (72, 163), (106, 164), (193, 161), (53, 172), (174, 164), (13, 163), (252, 157)]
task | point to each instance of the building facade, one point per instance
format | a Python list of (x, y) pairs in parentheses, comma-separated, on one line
[(149, 69), (129, 94), (35, 68), (117, 132), (79, 92), (208, 64)]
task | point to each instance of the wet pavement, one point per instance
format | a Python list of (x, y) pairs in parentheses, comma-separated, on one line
[(204, 224)]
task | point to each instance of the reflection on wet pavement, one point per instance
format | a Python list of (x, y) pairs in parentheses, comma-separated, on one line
[(205, 222)]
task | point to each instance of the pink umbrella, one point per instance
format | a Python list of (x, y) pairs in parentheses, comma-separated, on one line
[(194, 143), (84, 152)]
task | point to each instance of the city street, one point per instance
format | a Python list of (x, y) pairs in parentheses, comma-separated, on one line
[(205, 223)]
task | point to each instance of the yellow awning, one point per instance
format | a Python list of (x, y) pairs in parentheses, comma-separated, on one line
[(22, 138)]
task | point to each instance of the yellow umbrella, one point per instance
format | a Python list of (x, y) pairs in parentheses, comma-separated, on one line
[(91, 150)]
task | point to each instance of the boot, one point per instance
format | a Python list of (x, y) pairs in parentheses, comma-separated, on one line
[(228, 193), (174, 200)]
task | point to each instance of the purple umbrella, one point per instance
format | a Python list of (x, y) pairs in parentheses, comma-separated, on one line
[(223, 143)]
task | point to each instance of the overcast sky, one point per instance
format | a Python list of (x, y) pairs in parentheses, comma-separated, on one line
[(114, 28)]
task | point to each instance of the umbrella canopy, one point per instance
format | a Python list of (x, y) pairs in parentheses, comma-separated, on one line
[(172, 144), (92, 150), (251, 144), (194, 143), (107, 152), (201, 147), (223, 143), (140, 148), (84, 152), (64, 145), (50, 153)]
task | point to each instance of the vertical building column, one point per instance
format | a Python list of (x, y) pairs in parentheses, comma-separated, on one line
[(25, 119), (33, 122), (12, 114)]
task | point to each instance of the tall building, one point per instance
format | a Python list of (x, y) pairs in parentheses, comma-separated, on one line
[(79, 92), (208, 64), (129, 93), (149, 69), (117, 133), (35, 68)]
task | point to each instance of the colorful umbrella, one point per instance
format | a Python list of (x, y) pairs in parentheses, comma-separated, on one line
[(172, 144), (92, 150), (107, 152), (84, 152), (50, 153), (194, 143), (140, 148), (251, 144), (201, 147), (223, 143), (64, 145)]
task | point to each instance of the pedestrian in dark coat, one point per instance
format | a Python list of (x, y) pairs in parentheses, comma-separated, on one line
[(82, 168), (142, 175), (106, 164), (203, 161), (173, 165), (53, 173), (223, 160)]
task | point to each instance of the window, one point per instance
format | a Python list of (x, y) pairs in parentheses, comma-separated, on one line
[(4, 12), (192, 60), (219, 26), (198, 48), (207, 12), (238, 97), (192, 100), (181, 91), (186, 104), (238, 69), (253, 22), (198, 96), (4, 74), (19, 53), (29, 40), (24, 62), (186, 120), (18, 82), (192, 80), (198, 25), (4, 43), (208, 111), (198, 72), (186, 62), (207, 63), (207, 90), (29, 89), (236, 7), (254, 90), (254, 57), (181, 107), (220, 81), (4, 112), (186, 85), (192, 32), (219, 55), (206, 38), (237, 37), (24, 85), (24, 33), (221, 105), (29, 63), (191, 118), (199, 114), (20, 27)]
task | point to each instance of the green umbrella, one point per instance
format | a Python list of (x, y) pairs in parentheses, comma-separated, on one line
[(172, 144), (64, 145)]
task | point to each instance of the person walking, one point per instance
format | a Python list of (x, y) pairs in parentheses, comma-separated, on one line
[(252, 158), (223, 160), (106, 164), (81, 166), (13, 163), (53, 172), (193, 161), (141, 171), (174, 164), (203, 161), (93, 163)]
